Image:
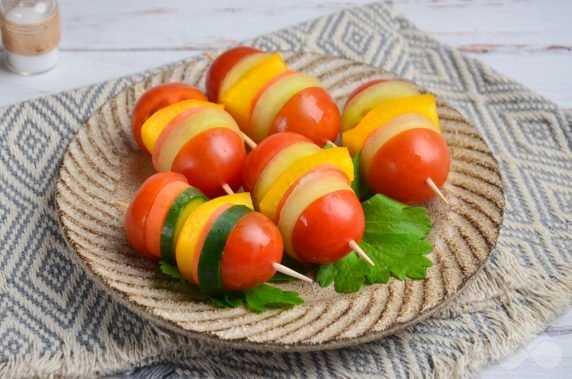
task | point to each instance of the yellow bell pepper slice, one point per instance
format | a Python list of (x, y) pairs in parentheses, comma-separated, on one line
[(311, 187), (373, 96), (238, 70), (379, 137), (274, 98), (337, 156), (354, 138), (280, 164), (238, 98), (186, 244), (155, 124)]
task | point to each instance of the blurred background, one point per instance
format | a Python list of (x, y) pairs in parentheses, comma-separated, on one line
[(529, 40)]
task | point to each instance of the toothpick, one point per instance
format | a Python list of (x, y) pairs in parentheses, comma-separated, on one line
[(209, 55), (328, 142), (121, 203), (248, 141), (359, 251), (436, 189), (288, 271), (227, 189)]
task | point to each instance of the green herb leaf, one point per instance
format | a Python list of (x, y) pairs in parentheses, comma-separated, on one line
[(170, 270), (264, 297), (393, 239), (233, 300)]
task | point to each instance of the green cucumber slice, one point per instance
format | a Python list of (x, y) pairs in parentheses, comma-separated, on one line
[(210, 260), (188, 199)]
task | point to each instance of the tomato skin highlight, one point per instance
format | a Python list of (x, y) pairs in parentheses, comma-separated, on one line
[(221, 66), (312, 113), (327, 225), (211, 159), (253, 245), (262, 154), (402, 165), (159, 97), (136, 215)]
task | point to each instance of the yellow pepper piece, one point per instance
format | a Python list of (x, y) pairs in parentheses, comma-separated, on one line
[(337, 156), (155, 124), (238, 98), (193, 227), (425, 105), (238, 70)]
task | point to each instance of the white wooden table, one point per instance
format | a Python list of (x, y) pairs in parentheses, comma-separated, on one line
[(531, 41)]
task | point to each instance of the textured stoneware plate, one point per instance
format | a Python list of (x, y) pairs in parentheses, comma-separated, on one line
[(102, 163)]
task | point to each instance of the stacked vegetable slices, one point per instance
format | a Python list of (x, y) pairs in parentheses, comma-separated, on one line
[(211, 242), (307, 192), (265, 97)]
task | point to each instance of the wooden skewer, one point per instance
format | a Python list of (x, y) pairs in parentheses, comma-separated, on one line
[(359, 251), (209, 55), (121, 203), (288, 271), (248, 140), (436, 189), (227, 189)]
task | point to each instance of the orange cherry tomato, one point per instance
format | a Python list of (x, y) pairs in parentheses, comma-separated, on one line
[(252, 246), (211, 159), (325, 228), (136, 215), (402, 165), (159, 97), (262, 154), (222, 65), (363, 87), (311, 112)]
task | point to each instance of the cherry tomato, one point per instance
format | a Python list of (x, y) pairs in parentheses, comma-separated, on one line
[(159, 97), (222, 65), (211, 159), (363, 87), (262, 154), (402, 165), (325, 228), (136, 215), (253, 245), (311, 112)]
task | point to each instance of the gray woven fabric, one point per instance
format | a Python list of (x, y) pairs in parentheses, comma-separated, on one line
[(55, 321)]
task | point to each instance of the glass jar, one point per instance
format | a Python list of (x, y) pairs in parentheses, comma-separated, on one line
[(30, 34)]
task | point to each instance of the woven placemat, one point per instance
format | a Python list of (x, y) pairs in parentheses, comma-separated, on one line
[(55, 321)]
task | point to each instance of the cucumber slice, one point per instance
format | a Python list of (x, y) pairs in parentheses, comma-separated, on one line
[(183, 205), (210, 260)]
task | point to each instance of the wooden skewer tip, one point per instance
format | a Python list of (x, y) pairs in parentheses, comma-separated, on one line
[(209, 55), (437, 191), (359, 251), (121, 203), (227, 189), (288, 271), (248, 141)]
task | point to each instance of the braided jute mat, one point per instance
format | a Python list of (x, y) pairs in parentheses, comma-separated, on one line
[(54, 321)]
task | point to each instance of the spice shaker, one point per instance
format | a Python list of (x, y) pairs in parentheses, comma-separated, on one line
[(30, 34)]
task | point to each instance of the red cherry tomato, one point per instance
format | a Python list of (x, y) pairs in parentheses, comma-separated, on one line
[(402, 165), (263, 153), (222, 65), (311, 112), (253, 245), (136, 215), (324, 230), (159, 97), (211, 159), (361, 88)]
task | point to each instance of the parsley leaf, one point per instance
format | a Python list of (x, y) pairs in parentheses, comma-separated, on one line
[(258, 299), (394, 239)]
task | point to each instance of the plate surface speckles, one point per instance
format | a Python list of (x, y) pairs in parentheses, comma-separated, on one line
[(102, 164)]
